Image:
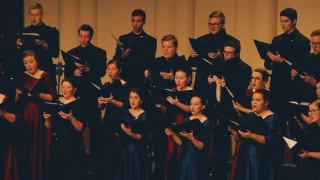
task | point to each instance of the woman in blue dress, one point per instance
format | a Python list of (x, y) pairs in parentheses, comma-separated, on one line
[(258, 154), (133, 162), (194, 164)]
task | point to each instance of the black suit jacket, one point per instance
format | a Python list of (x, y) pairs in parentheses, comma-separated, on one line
[(143, 46)]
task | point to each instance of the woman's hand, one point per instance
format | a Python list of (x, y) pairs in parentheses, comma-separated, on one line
[(172, 100), (304, 155), (187, 135), (247, 134), (46, 116), (126, 130), (68, 116), (168, 132)]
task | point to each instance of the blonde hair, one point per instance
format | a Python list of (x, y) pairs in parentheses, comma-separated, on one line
[(36, 6)]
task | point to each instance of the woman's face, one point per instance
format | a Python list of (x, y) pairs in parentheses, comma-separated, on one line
[(67, 89), (181, 80), (31, 64), (258, 103), (196, 106), (135, 100), (113, 71), (318, 90), (314, 112), (257, 81)]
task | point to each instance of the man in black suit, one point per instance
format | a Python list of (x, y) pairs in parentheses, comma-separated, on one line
[(86, 76), (139, 45), (231, 74), (291, 45), (217, 38), (46, 46)]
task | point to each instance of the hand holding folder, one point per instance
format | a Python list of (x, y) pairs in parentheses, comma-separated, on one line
[(125, 46), (203, 47), (70, 59), (136, 126), (194, 126)]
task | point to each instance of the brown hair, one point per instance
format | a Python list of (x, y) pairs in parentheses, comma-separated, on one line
[(263, 72), (172, 38), (30, 53)]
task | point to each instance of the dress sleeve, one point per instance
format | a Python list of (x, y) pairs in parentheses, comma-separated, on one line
[(51, 88)]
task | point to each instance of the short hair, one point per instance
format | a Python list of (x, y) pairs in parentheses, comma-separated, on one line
[(36, 6), (263, 72), (69, 80), (317, 103), (290, 13), (139, 12), (172, 38), (30, 53), (218, 14), (315, 33), (116, 62), (86, 27), (235, 44)]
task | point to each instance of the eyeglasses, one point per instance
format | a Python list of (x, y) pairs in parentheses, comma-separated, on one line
[(314, 43), (214, 24), (313, 111), (227, 52), (256, 78)]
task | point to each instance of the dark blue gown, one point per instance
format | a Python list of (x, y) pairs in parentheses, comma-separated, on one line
[(260, 161), (194, 164), (133, 162), (67, 156)]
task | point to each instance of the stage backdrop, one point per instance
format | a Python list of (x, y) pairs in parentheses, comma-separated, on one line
[(245, 19)]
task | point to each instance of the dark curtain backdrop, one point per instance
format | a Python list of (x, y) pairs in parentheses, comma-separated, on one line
[(11, 19)]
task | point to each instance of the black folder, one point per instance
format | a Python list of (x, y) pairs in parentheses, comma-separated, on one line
[(124, 45), (38, 87), (28, 38), (71, 59), (203, 47), (308, 141), (263, 48), (54, 107), (250, 122), (194, 125), (136, 126), (296, 108)]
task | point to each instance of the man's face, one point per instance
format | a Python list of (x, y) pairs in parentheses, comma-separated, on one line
[(168, 49), (229, 52), (215, 25), (287, 24), (315, 44), (84, 38), (35, 16), (137, 23)]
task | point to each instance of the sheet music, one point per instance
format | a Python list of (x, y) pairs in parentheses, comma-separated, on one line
[(117, 40), (207, 61), (2, 98), (290, 142), (96, 86), (230, 93), (30, 34), (288, 62)]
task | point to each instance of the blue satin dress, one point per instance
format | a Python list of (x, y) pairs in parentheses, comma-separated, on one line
[(260, 161), (194, 164), (133, 162)]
